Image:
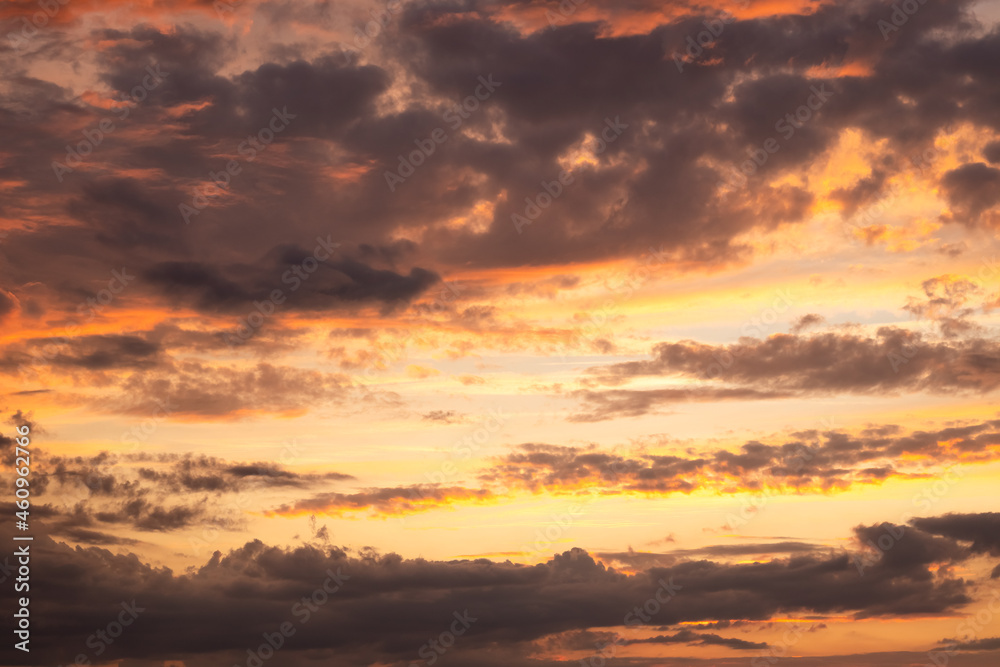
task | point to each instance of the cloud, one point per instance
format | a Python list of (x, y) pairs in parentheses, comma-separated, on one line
[(806, 461), (8, 304), (92, 353), (640, 560), (972, 190), (984, 644), (707, 639), (613, 404), (333, 283), (325, 174), (136, 485), (659, 186), (196, 389), (982, 530), (444, 416), (87, 496), (992, 152), (418, 372), (256, 588), (807, 321), (385, 501), (948, 303), (787, 365)]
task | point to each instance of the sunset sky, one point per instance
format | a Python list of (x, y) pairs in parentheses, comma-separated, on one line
[(541, 314)]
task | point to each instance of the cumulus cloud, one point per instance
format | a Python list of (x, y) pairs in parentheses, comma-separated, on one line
[(98, 499), (806, 460), (786, 365), (384, 606)]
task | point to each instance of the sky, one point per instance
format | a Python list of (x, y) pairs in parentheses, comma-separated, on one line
[(502, 332)]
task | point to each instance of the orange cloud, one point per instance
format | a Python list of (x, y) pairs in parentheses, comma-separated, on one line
[(396, 501)]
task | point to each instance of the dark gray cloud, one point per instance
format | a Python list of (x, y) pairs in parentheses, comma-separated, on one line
[(992, 152), (195, 388), (972, 190), (443, 416), (984, 644), (806, 321), (982, 530), (633, 560), (93, 353), (386, 501), (93, 499), (702, 638), (657, 185), (388, 606), (7, 304), (616, 403), (784, 365), (806, 459), (559, 85), (207, 287)]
